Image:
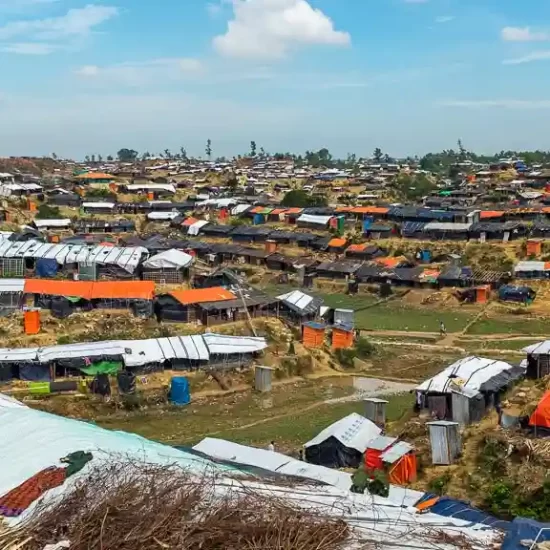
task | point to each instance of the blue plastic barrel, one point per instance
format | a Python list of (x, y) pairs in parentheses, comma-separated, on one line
[(426, 256), (179, 391)]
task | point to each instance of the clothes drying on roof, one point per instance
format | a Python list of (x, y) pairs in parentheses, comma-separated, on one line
[(15, 502)]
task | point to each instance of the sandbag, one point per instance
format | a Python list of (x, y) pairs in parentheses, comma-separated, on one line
[(63, 385)]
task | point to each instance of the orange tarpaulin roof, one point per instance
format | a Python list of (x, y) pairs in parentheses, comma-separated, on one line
[(201, 295), (277, 211), (257, 210), (370, 210), (488, 214), (89, 290), (344, 209), (337, 242), (541, 415), (356, 247), (189, 221), (143, 290), (79, 289), (294, 210), (388, 261)]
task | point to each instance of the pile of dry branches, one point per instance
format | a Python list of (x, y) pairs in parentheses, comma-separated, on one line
[(127, 506)]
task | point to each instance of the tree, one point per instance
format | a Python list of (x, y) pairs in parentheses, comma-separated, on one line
[(232, 182), (462, 153), (183, 153), (297, 198), (110, 158), (54, 156), (167, 153), (93, 158), (47, 212), (262, 153), (208, 149), (414, 187), (377, 155), (99, 158), (252, 148), (87, 158), (388, 159), (127, 155)]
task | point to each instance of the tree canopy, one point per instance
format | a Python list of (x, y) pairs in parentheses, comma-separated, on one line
[(127, 155), (297, 198)]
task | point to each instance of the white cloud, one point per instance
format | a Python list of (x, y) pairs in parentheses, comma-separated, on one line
[(499, 103), (269, 29), (141, 73), (444, 18), (29, 48), (523, 34), (541, 55), (76, 22)]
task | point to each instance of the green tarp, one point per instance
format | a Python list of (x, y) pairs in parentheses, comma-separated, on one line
[(103, 367)]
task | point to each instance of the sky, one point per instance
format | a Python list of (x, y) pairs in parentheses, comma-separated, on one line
[(83, 77)]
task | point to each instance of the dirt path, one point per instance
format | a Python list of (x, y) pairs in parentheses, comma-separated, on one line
[(367, 387)]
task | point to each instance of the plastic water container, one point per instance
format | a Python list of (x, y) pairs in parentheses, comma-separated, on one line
[(179, 391)]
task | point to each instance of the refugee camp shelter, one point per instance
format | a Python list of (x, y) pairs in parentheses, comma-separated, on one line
[(463, 391), (520, 294), (168, 267), (538, 359), (445, 441), (342, 444), (299, 306), (397, 458), (539, 420), (182, 305)]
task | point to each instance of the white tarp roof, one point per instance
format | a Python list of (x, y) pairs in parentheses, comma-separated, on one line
[(98, 205), (374, 520), (220, 344), (151, 187), (127, 258), (468, 373), (220, 203), (162, 215), (447, 226), (239, 209), (273, 461), (52, 223), (309, 218), (529, 265), (297, 299), (194, 229), (169, 259), (12, 285), (197, 347), (542, 348), (353, 431)]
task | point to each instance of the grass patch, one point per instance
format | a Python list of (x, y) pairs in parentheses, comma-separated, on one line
[(190, 424), (506, 345), (396, 316), (292, 431), (511, 325)]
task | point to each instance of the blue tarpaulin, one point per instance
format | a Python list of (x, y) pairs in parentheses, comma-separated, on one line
[(450, 507), (522, 529), (258, 219), (367, 222), (46, 268), (34, 373)]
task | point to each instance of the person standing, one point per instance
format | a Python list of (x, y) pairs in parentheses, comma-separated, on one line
[(271, 446)]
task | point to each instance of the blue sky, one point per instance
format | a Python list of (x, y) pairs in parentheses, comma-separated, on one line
[(408, 76)]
